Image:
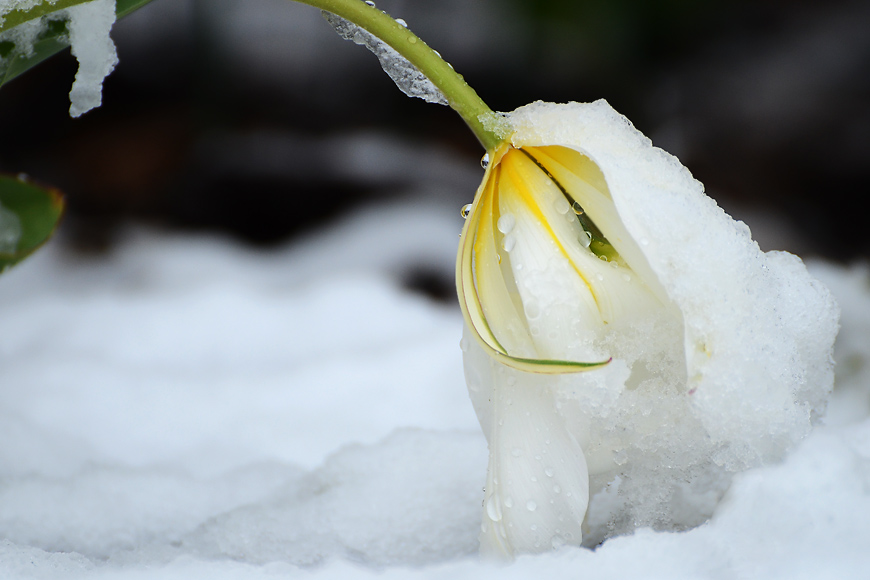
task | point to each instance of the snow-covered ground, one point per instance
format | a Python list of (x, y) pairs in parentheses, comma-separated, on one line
[(189, 408)]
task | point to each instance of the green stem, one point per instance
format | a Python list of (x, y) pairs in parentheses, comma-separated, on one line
[(489, 128)]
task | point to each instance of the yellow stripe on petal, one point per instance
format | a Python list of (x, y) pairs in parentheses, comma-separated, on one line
[(484, 297), (583, 180)]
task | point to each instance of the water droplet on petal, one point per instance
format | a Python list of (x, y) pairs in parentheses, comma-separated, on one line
[(557, 489), (578, 209), (370, 3), (531, 505), (412, 39), (465, 211), (509, 502), (534, 479), (549, 471), (506, 223), (401, 23), (562, 206), (626, 277), (509, 243), (484, 161), (533, 527), (492, 509), (585, 239), (533, 310)]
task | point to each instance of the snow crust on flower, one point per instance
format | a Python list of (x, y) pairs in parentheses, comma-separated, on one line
[(729, 375)]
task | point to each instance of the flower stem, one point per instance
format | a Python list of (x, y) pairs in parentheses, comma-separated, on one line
[(489, 128)]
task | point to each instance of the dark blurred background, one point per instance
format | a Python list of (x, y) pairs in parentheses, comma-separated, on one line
[(253, 117)]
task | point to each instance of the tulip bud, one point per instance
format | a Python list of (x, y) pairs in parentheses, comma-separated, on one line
[(585, 244)]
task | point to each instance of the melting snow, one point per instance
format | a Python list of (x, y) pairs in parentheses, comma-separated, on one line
[(187, 408)]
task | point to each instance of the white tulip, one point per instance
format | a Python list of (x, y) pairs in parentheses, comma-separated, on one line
[(585, 244)]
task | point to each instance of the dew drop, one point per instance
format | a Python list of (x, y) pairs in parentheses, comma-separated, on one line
[(626, 277), (585, 239), (370, 3), (498, 258), (509, 502), (533, 310), (401, 23), (578, 209), (614, 265), (509, 243), (484, 161), (557, 489), (492, 509), (506, 223), (511, 380), (549, 471), (463, 345), (412, 39), (466, 209), (533, 527), (534, 479), (531, 505), (562, 206), (557, 542)]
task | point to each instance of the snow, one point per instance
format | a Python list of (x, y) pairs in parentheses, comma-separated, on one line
[(188, 408), (89, 25), (89, 28), (407, 77)]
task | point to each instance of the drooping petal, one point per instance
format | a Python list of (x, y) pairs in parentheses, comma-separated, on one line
[(484, 296)]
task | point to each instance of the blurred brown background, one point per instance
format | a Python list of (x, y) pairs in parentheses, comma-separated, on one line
[(253, 117)]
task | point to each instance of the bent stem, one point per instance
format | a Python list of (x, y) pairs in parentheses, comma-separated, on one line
[(489, 128)]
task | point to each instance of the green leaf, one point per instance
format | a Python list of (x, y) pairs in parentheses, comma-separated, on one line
[(52, 40), (29, 215)]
